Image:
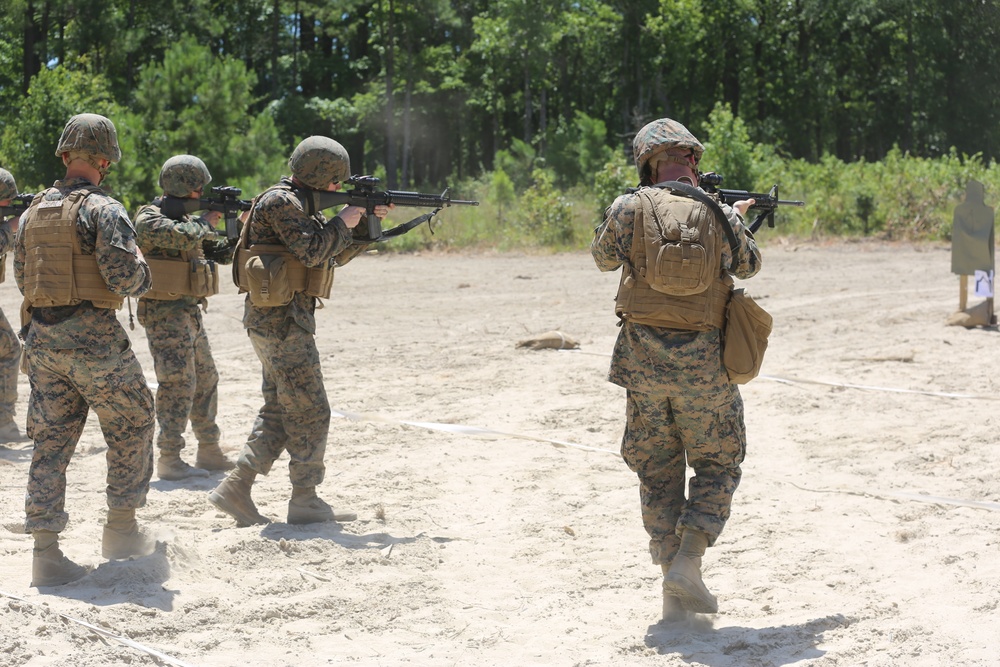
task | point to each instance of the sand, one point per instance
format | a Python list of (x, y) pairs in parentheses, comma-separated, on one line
[(497, 523)]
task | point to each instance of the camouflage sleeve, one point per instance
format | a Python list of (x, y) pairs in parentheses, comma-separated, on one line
[(747, 261), (310, 240), (19, 258), (612, 242), (155, 230), (7, 236), (117, 252)]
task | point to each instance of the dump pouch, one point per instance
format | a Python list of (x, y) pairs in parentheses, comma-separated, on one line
[(744, 337)]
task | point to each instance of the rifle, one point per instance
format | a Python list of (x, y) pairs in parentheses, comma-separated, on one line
[(18, 205), (766, 203), (364, 194), (227, 202)]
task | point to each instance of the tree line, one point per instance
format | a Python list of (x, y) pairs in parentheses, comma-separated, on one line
[(423, 92)]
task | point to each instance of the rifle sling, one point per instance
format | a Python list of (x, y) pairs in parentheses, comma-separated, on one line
[(399, 230), (713, 206)]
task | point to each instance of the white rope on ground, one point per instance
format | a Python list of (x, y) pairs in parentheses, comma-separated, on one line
[(903, 495), (162, 657), (482, 432), (465, 430), (844, 385)]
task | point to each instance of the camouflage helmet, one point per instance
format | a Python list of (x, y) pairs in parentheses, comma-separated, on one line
[(183, 174), (90, 134), (317, 161), (8, 186), (657, 137)]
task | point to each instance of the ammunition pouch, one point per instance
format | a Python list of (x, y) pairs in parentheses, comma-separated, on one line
[(744, 339), (56, 272), (272, 275), (188, 275)]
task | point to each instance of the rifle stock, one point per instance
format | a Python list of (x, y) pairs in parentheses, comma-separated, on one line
[(18, 205), (366, 196), (226, 202)]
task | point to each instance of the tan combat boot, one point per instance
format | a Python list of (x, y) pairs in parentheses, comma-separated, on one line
[(210, 457), (49, 567), (233, 498), (122, 538), (684, 576), (673, 610), (171, 468), (306, 507)]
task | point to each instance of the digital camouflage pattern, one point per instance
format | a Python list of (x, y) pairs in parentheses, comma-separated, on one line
[(296, 413), (80, 359), (104, 230), (680, 401), (317, 161), (10, 346), (183, 174), (658, 136), (90, 134), (8, 186), (65, 385), (277, 218), (295, 416), (10, 358), (662, 430), (186, 375)]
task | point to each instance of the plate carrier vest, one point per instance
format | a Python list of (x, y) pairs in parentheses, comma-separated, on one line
[(685, 298), (315, 281), (56, 272)]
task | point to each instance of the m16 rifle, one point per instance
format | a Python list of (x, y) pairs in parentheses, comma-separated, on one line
[(765, 203), (227, 201), (364, 194), (18, 205)]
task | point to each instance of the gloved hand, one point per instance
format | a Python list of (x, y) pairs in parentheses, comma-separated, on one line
[(218, 250)]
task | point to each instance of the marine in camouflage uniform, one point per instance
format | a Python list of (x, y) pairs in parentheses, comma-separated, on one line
[(680, 404), (295, 416), (79, 357), (10, 346), (187, 379)]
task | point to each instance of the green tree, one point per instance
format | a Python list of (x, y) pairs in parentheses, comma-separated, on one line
[(195, 102), (29, 139)]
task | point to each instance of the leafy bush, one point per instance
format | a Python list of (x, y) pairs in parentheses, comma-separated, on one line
[(29, 140)]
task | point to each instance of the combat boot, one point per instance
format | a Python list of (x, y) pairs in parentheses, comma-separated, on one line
[(49, 567), (210, 457), (306, 507), (171, 468), (233, 498), (684, 576), (673, 610), (122, 538), (9, 432)]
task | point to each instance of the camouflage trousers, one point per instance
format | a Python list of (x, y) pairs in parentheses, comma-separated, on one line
[(10, 358), (65, 386), (295, 416), (660, 433), (187, 379)]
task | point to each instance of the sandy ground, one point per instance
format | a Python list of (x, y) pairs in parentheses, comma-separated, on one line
[(866, 530)]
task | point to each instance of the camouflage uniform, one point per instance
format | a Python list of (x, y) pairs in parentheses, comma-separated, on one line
[(79, 358), (679, 401), (185, 371), (295, 416), (10, 346), (296, 413)]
